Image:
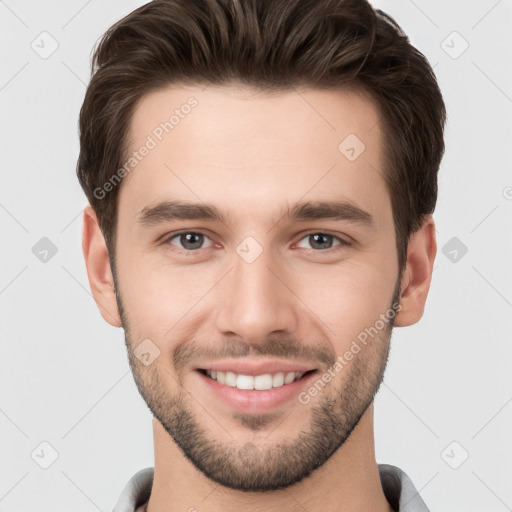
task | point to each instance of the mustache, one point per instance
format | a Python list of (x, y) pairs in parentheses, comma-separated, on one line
[(282, 348)]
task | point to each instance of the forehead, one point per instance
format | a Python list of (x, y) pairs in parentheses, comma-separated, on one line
[(216, 115), (253, 148)]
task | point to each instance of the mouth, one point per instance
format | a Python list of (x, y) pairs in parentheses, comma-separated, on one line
[(253, 394), (260, 382)]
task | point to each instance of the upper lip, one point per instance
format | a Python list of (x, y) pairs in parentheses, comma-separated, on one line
[(256, 367)]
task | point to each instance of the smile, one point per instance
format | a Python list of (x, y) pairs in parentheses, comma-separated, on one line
[(250, 382)]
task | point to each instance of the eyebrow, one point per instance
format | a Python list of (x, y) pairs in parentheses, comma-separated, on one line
[(302, 211)]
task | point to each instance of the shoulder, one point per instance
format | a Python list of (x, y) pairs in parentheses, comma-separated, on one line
[(399, 490)]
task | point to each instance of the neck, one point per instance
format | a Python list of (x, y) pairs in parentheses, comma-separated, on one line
[(349, 481)]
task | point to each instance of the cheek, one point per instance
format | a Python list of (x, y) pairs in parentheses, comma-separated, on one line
[(145, 293), (159, 299), (350, 297)]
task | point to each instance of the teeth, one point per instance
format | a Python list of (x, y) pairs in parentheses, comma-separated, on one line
[(262, 382), (278, 380), (230, 379), (289, 377), (244, 382), (259, 382)]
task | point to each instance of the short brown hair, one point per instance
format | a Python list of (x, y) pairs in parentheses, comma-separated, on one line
[(271, 45)]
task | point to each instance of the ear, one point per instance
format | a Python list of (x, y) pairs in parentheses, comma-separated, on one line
[(99, 272), (415, 282)]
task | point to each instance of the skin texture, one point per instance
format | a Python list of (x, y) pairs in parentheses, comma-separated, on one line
[(250, 155)]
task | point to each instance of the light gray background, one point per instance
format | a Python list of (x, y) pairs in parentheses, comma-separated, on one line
[(65, 378)]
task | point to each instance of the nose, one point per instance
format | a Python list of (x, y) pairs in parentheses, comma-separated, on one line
[(255, 300)]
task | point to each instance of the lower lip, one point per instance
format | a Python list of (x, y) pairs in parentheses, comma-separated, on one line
[(254, 400)]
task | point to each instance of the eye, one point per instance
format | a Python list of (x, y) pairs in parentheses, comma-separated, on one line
[(323, 241), (189, 240), (192, 241)]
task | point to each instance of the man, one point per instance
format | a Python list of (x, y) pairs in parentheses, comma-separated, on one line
[(262, 177)]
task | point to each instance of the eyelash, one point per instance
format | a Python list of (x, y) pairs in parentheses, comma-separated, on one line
[(342, 242)]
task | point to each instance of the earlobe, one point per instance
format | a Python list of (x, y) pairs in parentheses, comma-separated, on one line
[(415, 284), (99, 272)]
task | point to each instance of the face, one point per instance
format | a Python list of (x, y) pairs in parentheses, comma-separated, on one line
[(256, 248)]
